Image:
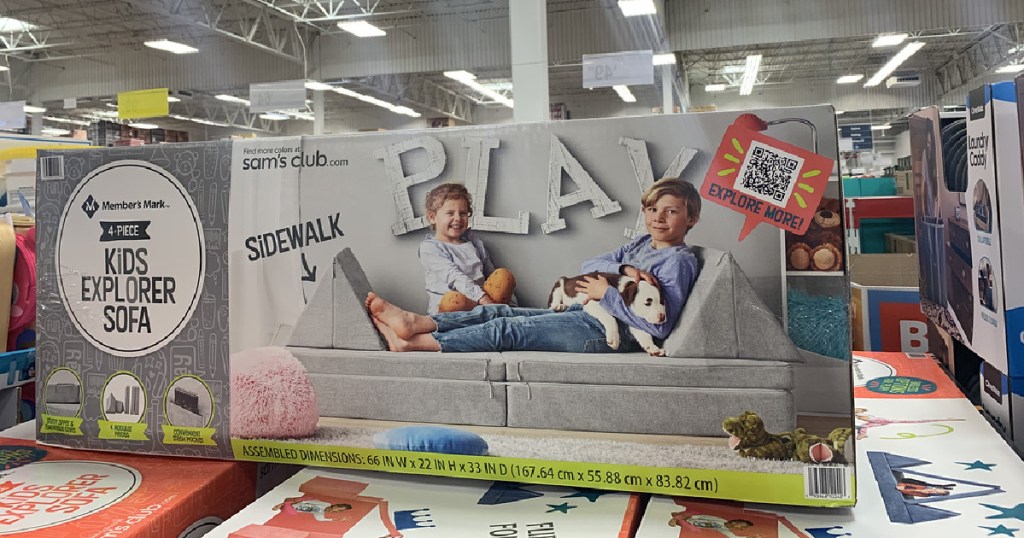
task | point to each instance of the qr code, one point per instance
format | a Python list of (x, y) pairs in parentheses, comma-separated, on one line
[(51, 167), (769, 173)]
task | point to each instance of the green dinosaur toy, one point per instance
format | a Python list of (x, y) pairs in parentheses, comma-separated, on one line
[(748, 436)]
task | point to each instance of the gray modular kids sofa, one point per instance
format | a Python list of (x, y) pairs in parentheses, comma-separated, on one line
[(729, 353)]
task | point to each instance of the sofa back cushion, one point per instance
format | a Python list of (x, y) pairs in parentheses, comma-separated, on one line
[(725, 318)]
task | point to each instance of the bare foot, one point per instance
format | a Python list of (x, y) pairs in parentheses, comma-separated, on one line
[(394, 342), (404, 324)]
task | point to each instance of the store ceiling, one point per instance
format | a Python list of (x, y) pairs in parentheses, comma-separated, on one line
[(70, 30)]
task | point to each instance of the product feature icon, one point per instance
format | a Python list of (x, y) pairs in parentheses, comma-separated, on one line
[(62, 393), (982, 208), (987, 285), (124, 399), (188, 403)]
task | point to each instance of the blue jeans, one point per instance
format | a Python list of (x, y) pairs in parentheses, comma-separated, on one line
[(504, 328)]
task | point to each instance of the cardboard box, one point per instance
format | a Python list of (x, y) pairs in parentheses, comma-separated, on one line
[(904, 182), (1002, 398), (53, 492), (885, 304), (269, 248), (900, 244), (934, 468), (385, 505), (968, 209)]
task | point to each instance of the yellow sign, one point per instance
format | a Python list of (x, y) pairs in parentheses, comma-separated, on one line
[(58, 424), (181, 435), (123, 431), (142, 104), (715, 484)]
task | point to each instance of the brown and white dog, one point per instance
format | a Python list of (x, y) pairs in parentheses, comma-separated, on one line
[(642, 297)]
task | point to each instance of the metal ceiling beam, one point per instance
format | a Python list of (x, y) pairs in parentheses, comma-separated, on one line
[(239, 20), (223, 113), (977, 60), (418, 91)]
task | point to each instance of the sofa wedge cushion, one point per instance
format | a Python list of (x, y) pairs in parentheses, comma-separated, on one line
[(423, 364), (640, 369), (725, 318)]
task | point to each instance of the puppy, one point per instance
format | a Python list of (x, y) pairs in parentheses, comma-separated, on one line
[(642, 297)]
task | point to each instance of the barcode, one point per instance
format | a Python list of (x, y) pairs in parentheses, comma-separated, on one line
[(827, 482), (768, 173), (51, 167)]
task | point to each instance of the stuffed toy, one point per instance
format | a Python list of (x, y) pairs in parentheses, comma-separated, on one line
[(748, 436), (821, 247)]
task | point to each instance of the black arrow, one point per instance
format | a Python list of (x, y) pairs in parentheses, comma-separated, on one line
[(309, 276)]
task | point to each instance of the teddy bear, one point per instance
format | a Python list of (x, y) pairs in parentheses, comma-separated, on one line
[(748, 436), (821, 247)]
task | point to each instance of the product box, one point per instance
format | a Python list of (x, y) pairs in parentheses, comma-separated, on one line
[(931, 466), (211, 300), (1002, 397), (969, 191), (885, 304), (322, 502), (53, 492)]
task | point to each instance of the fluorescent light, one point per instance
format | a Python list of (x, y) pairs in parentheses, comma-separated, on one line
[(170, 46), (750, 74), (53, 131), (274, 116), (714, 88), (361, 29), (173, 99), (107, 113), (469, 79), (200, 121), (1017, 68), (144, 125), (840, 112), (633, 8), (70, 121), (4, 68), (733, 69), (849, 79), (664, 59), (624, 93), (111, 105), (29, 109), (317, 86), (303, 116), (232, 99), (881, 127), (895, 62), (9, 25), (889, 40), (379, 102)]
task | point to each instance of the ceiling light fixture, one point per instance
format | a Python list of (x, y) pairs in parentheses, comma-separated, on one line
[(849, 79), (714, 88), (894, 63), (232, 99), (317, 86), (667, 58), (469, 79), (173, 99), (634, 8), (29, 109), (361, 29), (170, 46), (624, 93), (4, 68), (889, 40), (107, 113), (881, 127), (70, 121), (146, 126), (1015, 68), (750, 74), (9, 25), (274, 116), (379, 102), (840, 112), (111, 105), (54, 131)]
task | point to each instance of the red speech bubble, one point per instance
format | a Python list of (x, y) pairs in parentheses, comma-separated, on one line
[(766, 179)]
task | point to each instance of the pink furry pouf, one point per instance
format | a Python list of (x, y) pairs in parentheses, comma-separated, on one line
[(271, 395)]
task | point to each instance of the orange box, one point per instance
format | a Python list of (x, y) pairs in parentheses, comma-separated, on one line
[(50, 492)]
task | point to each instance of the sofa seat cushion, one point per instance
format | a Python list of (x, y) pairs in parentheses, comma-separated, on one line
[(428, 365), (642, 370)]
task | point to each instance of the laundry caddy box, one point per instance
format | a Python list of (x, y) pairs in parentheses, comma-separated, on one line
[(207, 299)]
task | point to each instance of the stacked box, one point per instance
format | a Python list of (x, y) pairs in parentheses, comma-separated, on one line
[(885, 304), (210, 300)]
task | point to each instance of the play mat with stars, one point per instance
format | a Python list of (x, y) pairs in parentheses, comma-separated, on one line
[(933, 467)]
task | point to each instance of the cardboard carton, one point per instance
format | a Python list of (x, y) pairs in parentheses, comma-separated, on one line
[(210, 300), (886, 304)]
